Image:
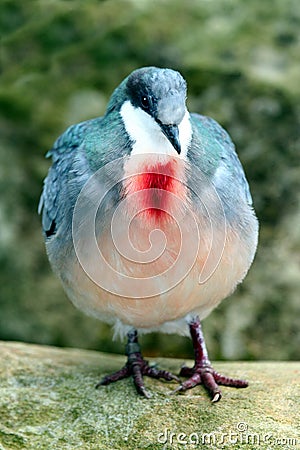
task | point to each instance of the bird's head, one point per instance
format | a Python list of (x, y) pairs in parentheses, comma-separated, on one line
[(152, 103)]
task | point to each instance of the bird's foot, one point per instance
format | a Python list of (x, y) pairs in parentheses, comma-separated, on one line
[(206, 375), (137, 367), (203, 372)]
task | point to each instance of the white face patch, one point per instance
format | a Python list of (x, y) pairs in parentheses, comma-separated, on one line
[(147, 135), (185, 134)]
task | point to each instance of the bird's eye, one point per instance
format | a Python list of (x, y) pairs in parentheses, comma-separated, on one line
[(145, 102)]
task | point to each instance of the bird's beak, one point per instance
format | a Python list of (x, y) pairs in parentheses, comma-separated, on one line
[(172, 134)]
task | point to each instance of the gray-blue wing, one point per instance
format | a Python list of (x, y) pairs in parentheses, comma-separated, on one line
[(221, 155), (63, 153)]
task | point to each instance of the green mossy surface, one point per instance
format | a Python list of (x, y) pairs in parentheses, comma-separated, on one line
[(48, 400)]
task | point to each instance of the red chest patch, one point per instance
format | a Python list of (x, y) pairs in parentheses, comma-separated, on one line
[(158, 187)]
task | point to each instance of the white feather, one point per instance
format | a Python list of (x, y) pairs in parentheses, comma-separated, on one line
[(147, 136)]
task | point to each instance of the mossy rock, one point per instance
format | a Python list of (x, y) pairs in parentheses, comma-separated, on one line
[(49, 401)]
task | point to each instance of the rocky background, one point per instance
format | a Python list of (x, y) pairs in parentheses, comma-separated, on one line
[(60, 61)]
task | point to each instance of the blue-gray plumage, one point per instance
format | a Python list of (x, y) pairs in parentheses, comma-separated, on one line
[(157, 167)]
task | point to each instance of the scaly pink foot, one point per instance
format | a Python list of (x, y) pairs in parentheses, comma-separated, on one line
[(136, 367), (202, 372)]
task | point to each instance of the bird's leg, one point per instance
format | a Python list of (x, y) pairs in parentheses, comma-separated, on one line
[(136, 367), (202, 372)]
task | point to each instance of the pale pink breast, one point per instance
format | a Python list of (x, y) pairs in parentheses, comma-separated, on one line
[(158, 247)]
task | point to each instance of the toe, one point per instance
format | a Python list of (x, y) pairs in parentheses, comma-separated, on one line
[(153, 372), (193, 381), (116, 376), (210, 384), (231, 382)]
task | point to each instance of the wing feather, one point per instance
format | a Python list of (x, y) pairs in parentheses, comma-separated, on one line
[(221, 156), (63, 152)]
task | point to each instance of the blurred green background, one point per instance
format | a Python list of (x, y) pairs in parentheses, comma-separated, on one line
[(61, 60)]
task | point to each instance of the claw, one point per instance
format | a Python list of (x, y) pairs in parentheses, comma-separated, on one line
[(144, 393), (217, 397), (178, 389)]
